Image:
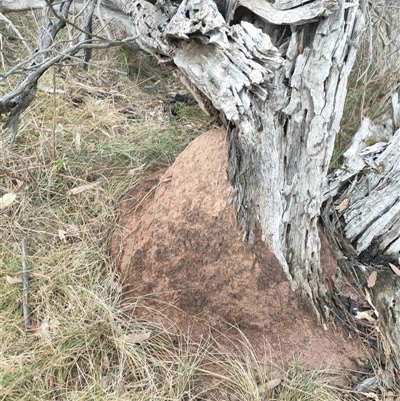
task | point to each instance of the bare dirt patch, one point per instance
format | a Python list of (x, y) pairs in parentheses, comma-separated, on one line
[(181, 254)]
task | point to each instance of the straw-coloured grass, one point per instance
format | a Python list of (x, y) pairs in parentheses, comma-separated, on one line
[(375, 75), (76, 154)]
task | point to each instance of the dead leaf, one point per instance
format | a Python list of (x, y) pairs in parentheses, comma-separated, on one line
[(372, 279), (121, 388), (136, 338), (97, 196), (271, 384), (6, 200), (369, 300), (45, 328), (62, 234), (371, 396), (344, 204), (71, 230), (105, 362), (367, 315), (14, 280), (78, 142), (133, 171), (82, 188), (395, 269)]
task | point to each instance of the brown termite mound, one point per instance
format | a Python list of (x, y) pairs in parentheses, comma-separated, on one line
[(182, 257)]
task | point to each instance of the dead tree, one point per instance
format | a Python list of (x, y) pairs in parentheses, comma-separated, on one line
[(362, 214), (275, 72)]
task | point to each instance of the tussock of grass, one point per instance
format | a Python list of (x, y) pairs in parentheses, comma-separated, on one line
[(243, 376), (76, 154)]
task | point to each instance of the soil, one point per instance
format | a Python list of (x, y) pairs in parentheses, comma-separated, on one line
[(181, 254)]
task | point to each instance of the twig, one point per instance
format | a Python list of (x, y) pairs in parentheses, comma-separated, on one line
[(150, 192), (53, 134), (39, 69), (3, 64), (25, 281), (63, 18), (13, 27), (87, 37)]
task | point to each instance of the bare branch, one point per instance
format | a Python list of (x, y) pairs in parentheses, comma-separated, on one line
[(87, 37), (7, 6), (25, 290), (13, 27), (17, 101)]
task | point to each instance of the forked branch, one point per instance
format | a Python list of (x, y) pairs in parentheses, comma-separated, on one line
[(49, 53)]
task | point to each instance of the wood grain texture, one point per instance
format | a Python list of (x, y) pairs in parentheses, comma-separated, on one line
[(288, 14), (370, 181), (386, 293), (7, 6)]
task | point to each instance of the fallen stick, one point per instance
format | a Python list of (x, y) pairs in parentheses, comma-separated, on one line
[(25, 286)]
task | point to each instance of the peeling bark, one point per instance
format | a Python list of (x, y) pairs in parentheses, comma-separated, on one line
[(366, 194), (293, 12), (283, 108), (362, 215)]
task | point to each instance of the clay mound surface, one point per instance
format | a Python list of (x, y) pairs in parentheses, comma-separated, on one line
[(181, 254)]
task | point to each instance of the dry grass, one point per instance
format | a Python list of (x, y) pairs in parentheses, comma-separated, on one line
[(76, 155), (376, 74), (246, 377)]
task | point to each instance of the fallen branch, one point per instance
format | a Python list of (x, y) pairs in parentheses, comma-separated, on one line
[(17, 101), (14, 28), (25, 286)]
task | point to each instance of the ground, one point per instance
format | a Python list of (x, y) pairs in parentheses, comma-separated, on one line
[(181, 254)]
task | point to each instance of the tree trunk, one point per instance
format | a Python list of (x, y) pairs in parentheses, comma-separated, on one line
[(281, 89), (281, 132), (366, 193)]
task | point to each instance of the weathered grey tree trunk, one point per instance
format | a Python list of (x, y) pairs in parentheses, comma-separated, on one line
[(282, 89), (276, 74)]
